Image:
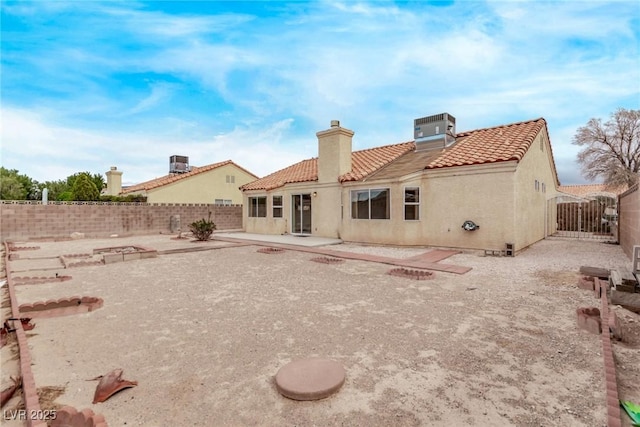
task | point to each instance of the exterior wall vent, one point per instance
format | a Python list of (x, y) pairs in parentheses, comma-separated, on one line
[(434, 132), (179, 164)]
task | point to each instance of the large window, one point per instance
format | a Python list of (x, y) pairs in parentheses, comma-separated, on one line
[(412, 203), (277, 206), (370, 204), (258, 207)]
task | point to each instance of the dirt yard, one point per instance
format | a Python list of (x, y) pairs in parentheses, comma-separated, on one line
[(204, 334)]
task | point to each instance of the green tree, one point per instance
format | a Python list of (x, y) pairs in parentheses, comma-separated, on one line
[(11, 188), (18, 186), (84, 188), (65, 196), (611, 150), (55, 189), (96, 178)]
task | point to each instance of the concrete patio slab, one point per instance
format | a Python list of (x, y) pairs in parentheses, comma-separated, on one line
[(283, 239)]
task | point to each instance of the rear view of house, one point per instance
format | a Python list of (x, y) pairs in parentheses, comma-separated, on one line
[(479, 189)]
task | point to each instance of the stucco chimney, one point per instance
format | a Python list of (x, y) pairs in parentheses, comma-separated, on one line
[(114, 181), (334, 152)]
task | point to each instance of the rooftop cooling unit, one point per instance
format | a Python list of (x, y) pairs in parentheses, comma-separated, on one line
[(434, 132), (179, 164)]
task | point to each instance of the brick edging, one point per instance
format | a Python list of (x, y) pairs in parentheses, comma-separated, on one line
[(612, 397), (29, 389)]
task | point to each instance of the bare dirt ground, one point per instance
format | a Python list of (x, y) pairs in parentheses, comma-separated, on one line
[(204, 334)]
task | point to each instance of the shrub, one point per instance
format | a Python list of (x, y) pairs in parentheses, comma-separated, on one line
[(135, 198), (84, 188), (129, 198), (202, 229), (65, 196)]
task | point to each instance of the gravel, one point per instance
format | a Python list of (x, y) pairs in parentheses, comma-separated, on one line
[(204, 334)]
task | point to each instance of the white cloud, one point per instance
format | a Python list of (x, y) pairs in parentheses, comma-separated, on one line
[(159, 24), (24, 134), (266, 84), (30, 141), (209, 63), (368, 10), (159, 93)]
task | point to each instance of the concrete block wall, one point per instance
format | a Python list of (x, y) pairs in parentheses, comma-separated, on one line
[(20, 220), (629, 219)]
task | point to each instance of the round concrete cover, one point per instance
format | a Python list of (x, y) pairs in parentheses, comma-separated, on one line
[(310, 379)]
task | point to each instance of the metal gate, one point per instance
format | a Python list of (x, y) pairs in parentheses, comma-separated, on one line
[(582, 217)]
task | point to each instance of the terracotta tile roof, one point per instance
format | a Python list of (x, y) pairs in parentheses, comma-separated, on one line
[(306, 170), (490, 145), (587, 189), (171, 178), (364, 163)]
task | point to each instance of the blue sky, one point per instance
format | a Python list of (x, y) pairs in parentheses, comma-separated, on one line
[(88, 85)]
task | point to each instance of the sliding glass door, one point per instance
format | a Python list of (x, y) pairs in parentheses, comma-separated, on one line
[(301, 214)]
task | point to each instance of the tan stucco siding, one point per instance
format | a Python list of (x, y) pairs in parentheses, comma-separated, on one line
[(533, 218), (271, 225), (268, 224), (395, 230), (448, 197), (204, 187), (483, 194), (327, 208)]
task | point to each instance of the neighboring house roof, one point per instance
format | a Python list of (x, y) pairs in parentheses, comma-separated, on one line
[(583, 190), (171, 178), (490, 145), (363, 163)]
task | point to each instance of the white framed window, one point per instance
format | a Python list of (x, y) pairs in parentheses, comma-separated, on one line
[(372, 203), (223, 202), (231, 179), (276, 203), (412, 203), (258, 207)]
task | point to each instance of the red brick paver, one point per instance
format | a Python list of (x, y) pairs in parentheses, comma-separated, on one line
[(29, 391), (612, 402), (69, 416), (434, 255), (412, 262)]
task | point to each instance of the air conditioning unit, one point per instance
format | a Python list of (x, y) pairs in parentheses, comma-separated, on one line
[(179, 164), (434, 132)]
